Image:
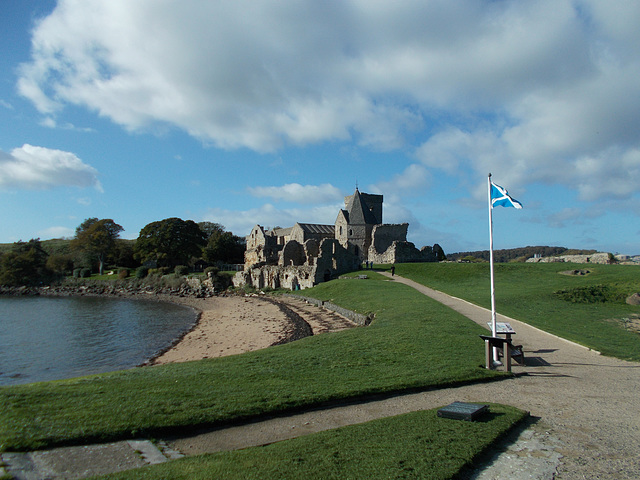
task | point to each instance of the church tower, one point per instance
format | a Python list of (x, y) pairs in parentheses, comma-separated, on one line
[(356, 221)]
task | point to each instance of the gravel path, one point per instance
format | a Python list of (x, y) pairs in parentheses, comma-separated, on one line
[(585, 409)]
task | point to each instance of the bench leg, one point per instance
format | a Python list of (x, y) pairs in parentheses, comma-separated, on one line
[(488, 350), (507, 356)]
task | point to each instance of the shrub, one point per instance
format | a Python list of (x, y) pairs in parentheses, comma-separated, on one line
[(181, 270), (160, 271), (85, 273), (211, 272), (76, 272), (592, 294), (123, 273), (142, 272)]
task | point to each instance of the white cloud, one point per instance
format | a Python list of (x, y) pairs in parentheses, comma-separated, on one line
[(531, 91), (294, 192), (412, 180), (30, 167), (267, 215), (56, 232)]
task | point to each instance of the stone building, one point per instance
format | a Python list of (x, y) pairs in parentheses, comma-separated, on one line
[(307, 254)]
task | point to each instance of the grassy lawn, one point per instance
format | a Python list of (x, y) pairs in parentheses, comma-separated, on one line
[(413, 343), (525, 291), (415, 445)]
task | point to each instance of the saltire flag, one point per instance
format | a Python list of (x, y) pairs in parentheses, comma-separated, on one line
[(500, 197)]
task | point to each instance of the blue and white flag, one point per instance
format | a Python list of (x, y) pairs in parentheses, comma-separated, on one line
[(500, 197)]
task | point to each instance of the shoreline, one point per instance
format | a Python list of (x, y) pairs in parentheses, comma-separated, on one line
[(224, 324)]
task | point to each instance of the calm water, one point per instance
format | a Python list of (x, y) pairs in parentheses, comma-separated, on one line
[(44, 338)]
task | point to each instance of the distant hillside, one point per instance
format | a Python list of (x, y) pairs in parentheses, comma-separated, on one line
[(56, 246), (517, 254)]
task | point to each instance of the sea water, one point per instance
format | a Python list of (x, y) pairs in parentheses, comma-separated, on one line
[(49, 338)]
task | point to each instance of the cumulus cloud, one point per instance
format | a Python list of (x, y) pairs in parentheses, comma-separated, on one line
[(30, 167), (269, 216), (56, 232), (294, 192), (540, 91), (412, 180)]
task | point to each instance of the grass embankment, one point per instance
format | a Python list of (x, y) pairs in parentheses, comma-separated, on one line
[(414, 343), (415, 445), (586, 309)]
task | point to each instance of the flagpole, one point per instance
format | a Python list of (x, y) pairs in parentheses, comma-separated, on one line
[(493, 293)]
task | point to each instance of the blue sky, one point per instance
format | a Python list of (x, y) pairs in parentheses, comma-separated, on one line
[(267, 112)]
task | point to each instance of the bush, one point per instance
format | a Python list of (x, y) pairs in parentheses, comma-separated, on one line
[(211, 272), (123, 273), (181, 270), (142, 272), (160, 271), (592, 294)]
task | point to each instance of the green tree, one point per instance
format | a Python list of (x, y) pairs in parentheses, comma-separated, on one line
[(123, 254), (169, 242), (25, 264), (224, 247), (211, 228), (97, 239), (60, 264)]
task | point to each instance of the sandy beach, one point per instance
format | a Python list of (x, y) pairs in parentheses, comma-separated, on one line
[(237, 324)]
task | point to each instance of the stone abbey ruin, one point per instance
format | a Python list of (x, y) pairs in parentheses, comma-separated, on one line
[(306, 254)]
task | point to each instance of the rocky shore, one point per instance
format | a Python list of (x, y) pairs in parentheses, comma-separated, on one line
[(128, 289)]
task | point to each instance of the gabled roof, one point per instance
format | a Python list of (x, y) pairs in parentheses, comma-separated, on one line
[(345, 214), (282, 232), (359, 212)]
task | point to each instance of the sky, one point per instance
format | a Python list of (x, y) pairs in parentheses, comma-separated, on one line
[(252, 112)]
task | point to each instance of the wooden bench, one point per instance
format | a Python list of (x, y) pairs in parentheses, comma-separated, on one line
[(501, 344)]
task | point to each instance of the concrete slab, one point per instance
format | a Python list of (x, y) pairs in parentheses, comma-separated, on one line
[(82, 461)]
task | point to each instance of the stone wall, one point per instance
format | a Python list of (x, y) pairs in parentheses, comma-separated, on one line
[(331, 260), (277, 276), (358, 318), (599, 258), (383, 236)]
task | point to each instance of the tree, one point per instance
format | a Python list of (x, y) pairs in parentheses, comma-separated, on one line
[(224, 247), (97, 239), (60, 264), (169, 242), (211, 228), (25, 264)]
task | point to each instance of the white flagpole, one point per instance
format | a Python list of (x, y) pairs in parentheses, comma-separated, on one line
[(493, 293)]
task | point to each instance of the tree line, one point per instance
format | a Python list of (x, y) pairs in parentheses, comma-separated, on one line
[(164, 245)]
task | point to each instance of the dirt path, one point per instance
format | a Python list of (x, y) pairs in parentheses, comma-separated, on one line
[(587, 408)]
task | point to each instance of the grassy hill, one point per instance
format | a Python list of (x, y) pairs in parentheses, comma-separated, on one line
[(517, 254)]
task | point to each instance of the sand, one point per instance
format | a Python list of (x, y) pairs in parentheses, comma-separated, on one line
[(238, 324)]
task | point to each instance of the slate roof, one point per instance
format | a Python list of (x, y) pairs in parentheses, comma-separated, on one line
[(318, 228), (359, 213)]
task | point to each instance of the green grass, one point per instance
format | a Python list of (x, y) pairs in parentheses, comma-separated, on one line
[(532, 293), (413, 343), (415, 445)]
